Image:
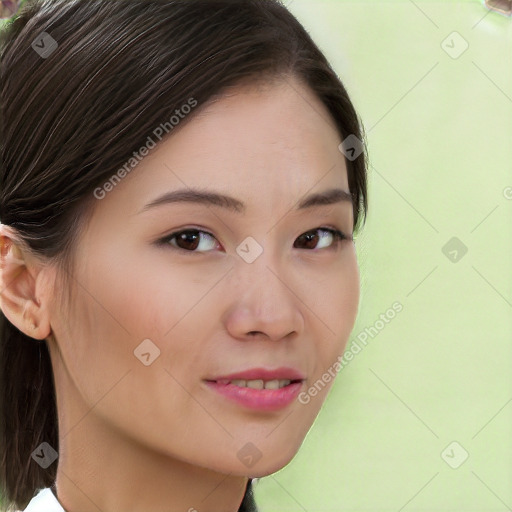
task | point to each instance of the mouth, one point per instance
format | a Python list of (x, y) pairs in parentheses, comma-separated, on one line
[(259, 389), (257, 383)]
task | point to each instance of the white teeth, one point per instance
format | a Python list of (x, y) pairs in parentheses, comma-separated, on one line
[(255, 384), (260, 384), (272, 384)]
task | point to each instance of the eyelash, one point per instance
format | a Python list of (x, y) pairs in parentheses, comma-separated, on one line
[(338, 235)]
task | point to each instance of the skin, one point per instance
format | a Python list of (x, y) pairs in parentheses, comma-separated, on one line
[(135, 437)]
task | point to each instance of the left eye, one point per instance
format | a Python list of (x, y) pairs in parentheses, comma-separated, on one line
[(190, 239), (331, 234)]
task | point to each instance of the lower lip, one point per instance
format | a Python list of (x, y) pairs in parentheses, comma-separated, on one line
[(259, 399)]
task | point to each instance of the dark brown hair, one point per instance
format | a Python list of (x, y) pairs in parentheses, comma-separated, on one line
[(70, 119)]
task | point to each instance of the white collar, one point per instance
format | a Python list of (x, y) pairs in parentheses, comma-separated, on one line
[(44, 501)]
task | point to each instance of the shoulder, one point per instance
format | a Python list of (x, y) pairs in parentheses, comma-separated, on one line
[(43, 501)]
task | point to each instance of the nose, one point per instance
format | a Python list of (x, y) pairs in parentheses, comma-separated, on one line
[(264, 302)]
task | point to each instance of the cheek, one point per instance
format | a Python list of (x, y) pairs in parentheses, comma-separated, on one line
[(112, 312), (141, 300), (160, 302), (335, 307), (336, 299), (92, 347)]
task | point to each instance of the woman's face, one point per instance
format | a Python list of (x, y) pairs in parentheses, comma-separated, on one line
[(152, 321)]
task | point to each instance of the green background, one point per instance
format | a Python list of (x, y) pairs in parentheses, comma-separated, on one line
[(439, 133)]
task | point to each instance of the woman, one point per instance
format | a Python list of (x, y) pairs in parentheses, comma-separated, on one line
[(181, 182)]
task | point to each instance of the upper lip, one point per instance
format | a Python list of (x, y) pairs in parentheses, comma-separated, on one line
[(281, 373)]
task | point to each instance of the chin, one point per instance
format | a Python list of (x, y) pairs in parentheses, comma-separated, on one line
[(261, 470), (268, 466)]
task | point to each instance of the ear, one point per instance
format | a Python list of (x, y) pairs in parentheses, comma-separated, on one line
[(24, 287)]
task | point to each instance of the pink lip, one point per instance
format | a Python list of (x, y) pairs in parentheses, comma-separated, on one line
[(260, 399)]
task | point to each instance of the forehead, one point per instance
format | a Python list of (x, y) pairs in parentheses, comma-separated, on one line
[(267, 142)]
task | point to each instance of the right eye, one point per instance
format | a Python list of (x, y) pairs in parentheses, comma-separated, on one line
[(189, 240)]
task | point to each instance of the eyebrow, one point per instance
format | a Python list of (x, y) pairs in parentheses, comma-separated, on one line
[(327, 197)]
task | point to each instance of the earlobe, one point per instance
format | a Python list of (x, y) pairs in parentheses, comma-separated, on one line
[(18, 300)]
